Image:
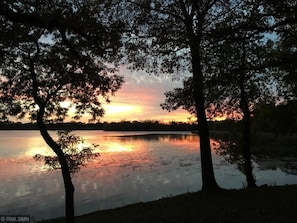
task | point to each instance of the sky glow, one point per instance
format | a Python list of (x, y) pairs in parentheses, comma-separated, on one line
[(140, 97)]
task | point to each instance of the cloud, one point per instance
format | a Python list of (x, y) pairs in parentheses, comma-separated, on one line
[(140, 98)]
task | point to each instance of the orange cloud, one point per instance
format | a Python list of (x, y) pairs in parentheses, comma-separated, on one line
[(140, 98)]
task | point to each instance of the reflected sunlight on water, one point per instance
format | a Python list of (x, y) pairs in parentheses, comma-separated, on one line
[(43, 150), (115, 147)]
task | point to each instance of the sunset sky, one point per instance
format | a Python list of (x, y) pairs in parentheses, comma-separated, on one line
[(140, 98)]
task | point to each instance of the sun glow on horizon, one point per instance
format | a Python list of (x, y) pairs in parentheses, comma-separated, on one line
[(117, 112), (220, 118), (121, 109)]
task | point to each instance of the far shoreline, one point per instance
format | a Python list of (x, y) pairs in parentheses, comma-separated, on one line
[(112, 126)]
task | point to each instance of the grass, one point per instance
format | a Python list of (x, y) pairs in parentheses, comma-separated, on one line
[(263, 204)]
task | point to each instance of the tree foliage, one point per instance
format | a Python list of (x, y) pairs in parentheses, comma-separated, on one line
[(285, 23), (55, 52), (239, 74), (76, 152), (280, 119), (174, 37), (231, 41), (67, 44), (181, 97)]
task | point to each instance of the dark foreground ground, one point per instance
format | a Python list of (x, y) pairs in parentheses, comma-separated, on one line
[(264, 204)]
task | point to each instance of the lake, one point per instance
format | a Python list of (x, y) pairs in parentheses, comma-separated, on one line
[(133, 167)]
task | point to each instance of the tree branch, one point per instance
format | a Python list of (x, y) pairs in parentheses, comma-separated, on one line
[(157, 10), (46, 21), (37, 99)]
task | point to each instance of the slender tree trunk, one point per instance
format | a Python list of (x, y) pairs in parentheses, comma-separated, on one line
[(209, 183), (246, 144), (68, 185)]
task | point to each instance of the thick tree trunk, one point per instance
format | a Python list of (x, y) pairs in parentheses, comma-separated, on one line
[(246, 144), (248, 169), (68, 185), (209, 183)]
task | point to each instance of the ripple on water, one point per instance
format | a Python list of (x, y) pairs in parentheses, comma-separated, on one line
[(150, 170)]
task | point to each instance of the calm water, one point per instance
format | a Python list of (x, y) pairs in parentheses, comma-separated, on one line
[(133, 167)]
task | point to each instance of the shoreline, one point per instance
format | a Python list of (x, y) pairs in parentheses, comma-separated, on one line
[(263, 204)]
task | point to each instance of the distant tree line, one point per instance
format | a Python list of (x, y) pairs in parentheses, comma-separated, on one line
[(269, 118), (148, 126), (280, 119), (107, 126)]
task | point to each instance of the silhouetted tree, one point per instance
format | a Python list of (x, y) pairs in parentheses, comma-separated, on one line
[(277, 119), (256, 62), (173, 37), (54, 52), (76, 152), (238, 76), (285, 27)]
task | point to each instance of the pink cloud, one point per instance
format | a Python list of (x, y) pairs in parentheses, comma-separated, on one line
[(140, 98)]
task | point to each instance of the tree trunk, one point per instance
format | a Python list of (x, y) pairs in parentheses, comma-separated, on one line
[(69, 195), (68, 185), (248, 169), (209, 183), (246, 144)]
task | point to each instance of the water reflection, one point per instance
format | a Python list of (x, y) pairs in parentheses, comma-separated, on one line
[(285, 164), (230, 151), (133, 167), (115, 147), (156, 137), (41, 149)]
